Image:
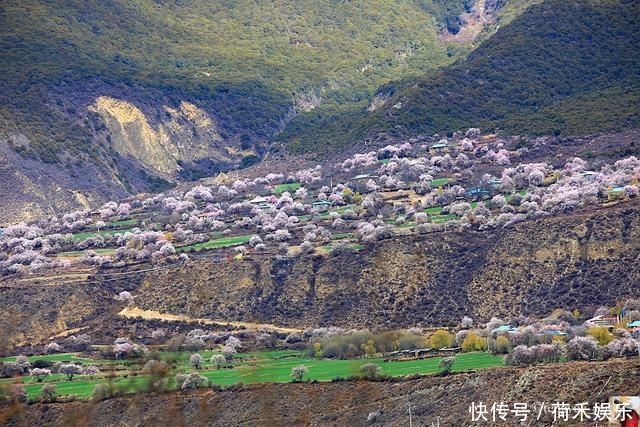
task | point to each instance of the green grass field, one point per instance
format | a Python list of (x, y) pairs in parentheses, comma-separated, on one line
[(87, 234), (436, 216), (328, 369), (63, 357), (325, 214), (352, 246), (434, 210), (438, 219), (261, 367), (440, 181), (509, 196), (108, 230), (340, 236), (223, 242), (292, 186)]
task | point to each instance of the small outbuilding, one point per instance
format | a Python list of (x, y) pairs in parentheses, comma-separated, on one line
[(505, 328), (258, 200), (321, 204), (634, 324)]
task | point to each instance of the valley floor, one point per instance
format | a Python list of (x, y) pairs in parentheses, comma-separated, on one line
[(248, 368), (433, 400)]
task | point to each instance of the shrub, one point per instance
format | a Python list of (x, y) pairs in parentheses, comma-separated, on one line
[(17, 392), (441, 339), (90, 370), (11, 369), (582, 348), (218, 360), (53, 348), (547, 353), (48, 393), (124, 296), (446, 364), (293, 338), (501, 345), (79, 343), (196, 361), (466, 323), (521, 355), (624, 347), (228, 352), (298, 372), (332, 342), (600, 334), (155, 368), (370, 371), (40, 373), (194, 380), (23, 362), (460, 336), (474, 342), (69, 369), (101, 392)]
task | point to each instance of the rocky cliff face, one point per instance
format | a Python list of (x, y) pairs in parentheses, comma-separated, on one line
[(185, 133), (434, 400), (134, 148), (577, 261)]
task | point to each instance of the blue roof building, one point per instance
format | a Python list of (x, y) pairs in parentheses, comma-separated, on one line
[(505, 328)]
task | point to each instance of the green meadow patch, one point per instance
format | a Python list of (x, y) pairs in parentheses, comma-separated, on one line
[(223, 242), (440, 181), (292, 186), (249, 368)]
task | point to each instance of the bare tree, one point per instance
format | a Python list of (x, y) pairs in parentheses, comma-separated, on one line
[(298, 372)]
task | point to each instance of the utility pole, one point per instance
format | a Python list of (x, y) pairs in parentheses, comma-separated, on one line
[(410, 420)]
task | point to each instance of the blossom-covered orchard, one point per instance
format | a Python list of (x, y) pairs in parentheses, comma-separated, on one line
[(466, 182)]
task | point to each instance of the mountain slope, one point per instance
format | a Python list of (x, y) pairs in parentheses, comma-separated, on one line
[(569, 67), (232, 57), (118, 89)]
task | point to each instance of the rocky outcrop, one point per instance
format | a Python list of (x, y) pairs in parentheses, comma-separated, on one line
[(186, 133), (135, 147), (379, 100), (30, 189)]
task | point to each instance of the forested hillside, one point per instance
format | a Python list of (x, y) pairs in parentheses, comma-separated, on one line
[(139, 94), (248, 63), (564, 67), (136, 94)]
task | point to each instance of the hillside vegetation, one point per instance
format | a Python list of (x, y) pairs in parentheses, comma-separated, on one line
[(564, 67), (137, 95), (248, 63)]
